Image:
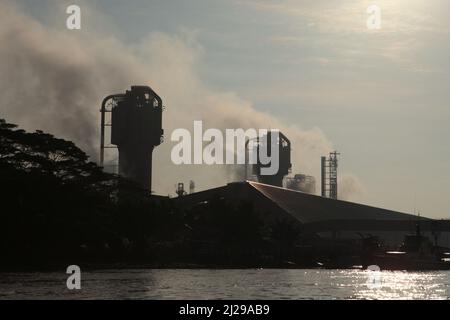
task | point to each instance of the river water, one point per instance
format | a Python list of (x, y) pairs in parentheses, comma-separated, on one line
[(229, 284)]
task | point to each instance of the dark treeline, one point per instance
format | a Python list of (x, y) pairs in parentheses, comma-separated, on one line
[(57, 206)]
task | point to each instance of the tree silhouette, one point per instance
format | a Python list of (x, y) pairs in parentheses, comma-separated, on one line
[(55, 202)]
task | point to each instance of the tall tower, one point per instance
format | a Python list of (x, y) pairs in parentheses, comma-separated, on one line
[(329, 175), (283, 147), (136, 128)]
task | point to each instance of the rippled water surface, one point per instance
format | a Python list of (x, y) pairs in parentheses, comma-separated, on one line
[(229, 284)]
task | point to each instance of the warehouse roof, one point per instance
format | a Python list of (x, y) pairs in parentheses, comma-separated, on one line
[(311, 208)]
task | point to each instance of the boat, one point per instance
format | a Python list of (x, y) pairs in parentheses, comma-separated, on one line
[(417, 253)]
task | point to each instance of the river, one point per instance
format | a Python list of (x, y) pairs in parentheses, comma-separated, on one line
[(228, 284)]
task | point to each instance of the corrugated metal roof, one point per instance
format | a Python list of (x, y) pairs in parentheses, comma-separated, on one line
[(311, 208)]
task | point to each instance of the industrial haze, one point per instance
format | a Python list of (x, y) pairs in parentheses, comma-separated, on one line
[(54, 80)]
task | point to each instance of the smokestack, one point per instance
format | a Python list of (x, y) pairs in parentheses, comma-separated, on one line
[(191, 187), (323, 174), (136, 128), (284, 149)]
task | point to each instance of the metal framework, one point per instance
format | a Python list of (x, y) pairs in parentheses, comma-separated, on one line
[(329, 175), (180, 189), (108, 103)]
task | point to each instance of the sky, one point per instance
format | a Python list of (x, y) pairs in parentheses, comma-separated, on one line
[(312, 68)]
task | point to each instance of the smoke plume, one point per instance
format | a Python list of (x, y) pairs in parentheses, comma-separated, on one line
[(54, 80), (350, 188)]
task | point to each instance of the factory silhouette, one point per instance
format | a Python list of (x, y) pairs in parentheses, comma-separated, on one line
[(136, 129)]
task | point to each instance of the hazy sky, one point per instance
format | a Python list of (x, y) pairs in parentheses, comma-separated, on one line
[(382, 98)]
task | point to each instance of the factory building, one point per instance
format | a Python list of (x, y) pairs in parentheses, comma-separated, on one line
[(324, 217), (136, 129)]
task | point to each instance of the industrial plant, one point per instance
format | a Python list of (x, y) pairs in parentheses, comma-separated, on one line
[(135, 123), (136, 129)]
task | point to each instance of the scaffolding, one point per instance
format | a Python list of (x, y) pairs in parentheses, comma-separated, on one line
[(329, 183), (105, 128)]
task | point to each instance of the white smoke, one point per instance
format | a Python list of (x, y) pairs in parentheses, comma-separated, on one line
[(54, 80), (350, 188)]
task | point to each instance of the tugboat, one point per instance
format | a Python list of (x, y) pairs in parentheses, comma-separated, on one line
[(416, 253)]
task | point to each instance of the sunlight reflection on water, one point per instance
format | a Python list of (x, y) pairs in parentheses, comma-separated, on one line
[(229, 284)]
